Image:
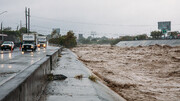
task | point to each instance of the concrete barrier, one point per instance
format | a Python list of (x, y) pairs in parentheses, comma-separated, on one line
[(54, 57), (29, 84)]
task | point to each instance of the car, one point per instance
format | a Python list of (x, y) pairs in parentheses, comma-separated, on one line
[(7, 45), (41, 44)]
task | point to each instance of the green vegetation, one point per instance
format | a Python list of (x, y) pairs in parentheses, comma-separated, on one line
[(115, 41), (90, 40), (156, 34), (174, 34), (93, 78), (14, 35), (141, 37), (112, 41), (67, 41)]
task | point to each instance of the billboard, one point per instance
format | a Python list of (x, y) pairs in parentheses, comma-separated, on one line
[(164, 25)]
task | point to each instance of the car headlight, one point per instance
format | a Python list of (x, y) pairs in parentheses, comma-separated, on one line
[(22, 46), (1, 45), (31, 46), (38, 45), (44, 45)]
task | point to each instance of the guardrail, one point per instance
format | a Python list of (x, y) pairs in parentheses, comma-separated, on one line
[(28, 85)]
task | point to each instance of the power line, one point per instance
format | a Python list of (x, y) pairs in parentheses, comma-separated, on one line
[(98, 24), (85, 23)]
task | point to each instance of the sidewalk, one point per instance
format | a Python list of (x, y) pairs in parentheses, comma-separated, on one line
[(72, 89)]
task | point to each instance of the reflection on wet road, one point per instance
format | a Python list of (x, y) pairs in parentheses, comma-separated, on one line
[(15, 62), (6, 55)]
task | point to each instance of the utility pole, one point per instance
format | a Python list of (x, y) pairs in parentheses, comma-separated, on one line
[(20, 24), (17, 27), (26, 19), (1, 27), (20, 30), (1, 22), (27, 15)]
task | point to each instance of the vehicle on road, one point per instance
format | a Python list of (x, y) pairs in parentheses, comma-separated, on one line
[(29, 41), (42, 41), (7, 45)]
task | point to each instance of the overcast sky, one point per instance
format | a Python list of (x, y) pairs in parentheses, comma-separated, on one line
[(111, 18)]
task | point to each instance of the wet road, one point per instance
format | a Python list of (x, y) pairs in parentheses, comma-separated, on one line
[(6, 55), (12, 63)]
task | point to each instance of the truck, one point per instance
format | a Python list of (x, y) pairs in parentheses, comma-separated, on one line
[(29, 41), (42, 41)]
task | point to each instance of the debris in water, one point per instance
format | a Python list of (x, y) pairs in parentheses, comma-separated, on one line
[(92, 78), (79, 77)]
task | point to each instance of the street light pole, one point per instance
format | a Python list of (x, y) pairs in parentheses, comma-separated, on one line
[(1, 22), (3, 12)]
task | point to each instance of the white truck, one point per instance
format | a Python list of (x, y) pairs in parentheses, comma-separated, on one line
[(42, 41), (29, 41)]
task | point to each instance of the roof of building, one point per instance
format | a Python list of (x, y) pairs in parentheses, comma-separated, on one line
[(3, 35)]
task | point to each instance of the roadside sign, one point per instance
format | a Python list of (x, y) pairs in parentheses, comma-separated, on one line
[(164, 31), (164, 25)]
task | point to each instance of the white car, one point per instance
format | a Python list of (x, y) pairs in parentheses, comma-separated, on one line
[(7, 45)]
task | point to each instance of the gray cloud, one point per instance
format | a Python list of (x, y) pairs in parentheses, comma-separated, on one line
[(106, 17)]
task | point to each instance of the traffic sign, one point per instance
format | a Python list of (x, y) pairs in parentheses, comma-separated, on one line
[(164, 31)]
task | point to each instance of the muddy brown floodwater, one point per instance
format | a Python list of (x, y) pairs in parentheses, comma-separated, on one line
[(148, 73)]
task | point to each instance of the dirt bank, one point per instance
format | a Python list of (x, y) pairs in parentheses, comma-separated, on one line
[(150, 73)]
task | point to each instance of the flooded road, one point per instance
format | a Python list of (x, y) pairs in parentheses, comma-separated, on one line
[(12, 63)]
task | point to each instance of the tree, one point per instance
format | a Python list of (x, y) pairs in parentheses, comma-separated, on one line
[(85, 41), (173, 34), (67, 41), (53, 33), (12, 35), (141, 37), (7, 29), (70, 40), (22, 30), (156, 34), (127, 38)]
